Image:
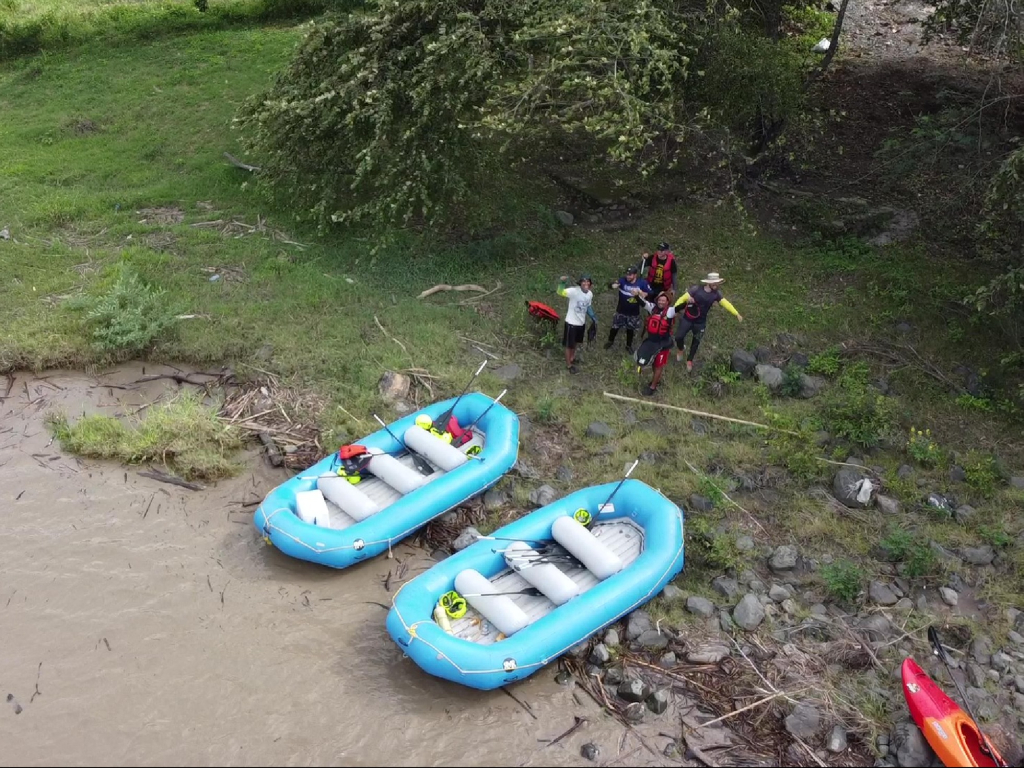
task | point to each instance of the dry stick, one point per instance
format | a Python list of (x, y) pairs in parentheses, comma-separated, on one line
[(698, 753), (163, 477), (580, 721), (726, 497), (809, 751), (522, 704), (446, 287), (697, 413), (757, 703), (355, 418), (390, 336)]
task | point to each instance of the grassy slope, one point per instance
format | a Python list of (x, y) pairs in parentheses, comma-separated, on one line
[(100, 133)]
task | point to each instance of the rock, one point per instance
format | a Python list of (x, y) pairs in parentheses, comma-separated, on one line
[(613, 676), (1017, 482), (877, 627), (563, 677), (725, 586), (590, 750), (742, 362), (810, 386), (667, 660), (1016, 638), (496, 498), (822, 438), (837, 740), (904, 327), (975, 674), (910, 746), (778, 592), (749, 613), (637, 623), (611, 638), (881, 593), (963, 513), (982, 555), (985, 706), (770, 376), (564, 474), (658, 701), (949, 596), (762, 354), (803, 722), (799, 359), (938, 501), (904, 605), (635, 712), (725, 622), (852, 488), (745, 543), (786, 341), (393, 386), (756, 585), (567, 219), (701, 503), (633, 689), (699, 426), (789, 606), (672, 592), (708, 654), (783, 558), (468, 536), (957, 474), (981, 649), (508, 372), (652, 639), (905, 472), (700, 606), (526, 471), (541, 497), (1018, 683), (600, 655), (599, 429), (673, 752), (1000, 661), (887, 505)]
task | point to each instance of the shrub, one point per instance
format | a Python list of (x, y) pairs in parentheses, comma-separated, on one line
[(825, 363), (983, 474), (791, 380), (843, 580), (923, 449), (854, 411)]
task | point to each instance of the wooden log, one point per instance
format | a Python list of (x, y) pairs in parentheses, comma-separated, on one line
[(696, 413)]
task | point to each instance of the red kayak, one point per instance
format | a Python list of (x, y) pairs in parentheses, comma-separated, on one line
[(951, 733)]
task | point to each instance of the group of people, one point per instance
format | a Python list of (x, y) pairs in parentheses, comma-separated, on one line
[(665, 324)]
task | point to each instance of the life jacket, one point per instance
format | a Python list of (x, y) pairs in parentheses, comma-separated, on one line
[(660, 273), (542, 311), (658, 324), (354, 460)]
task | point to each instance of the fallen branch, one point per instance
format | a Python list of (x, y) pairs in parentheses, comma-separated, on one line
[(697, 413), (163, 477), (580, 722), (382, 330), (471, 299), (757, 703), (522, 704), (445, 287), (239, 164)]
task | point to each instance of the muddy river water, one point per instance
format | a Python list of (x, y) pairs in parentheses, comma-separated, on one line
[(142, 623)]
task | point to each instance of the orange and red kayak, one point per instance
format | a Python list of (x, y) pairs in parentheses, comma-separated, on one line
[(951, 733)]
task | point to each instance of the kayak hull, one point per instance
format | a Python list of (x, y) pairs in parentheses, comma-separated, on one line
[(948, 729)]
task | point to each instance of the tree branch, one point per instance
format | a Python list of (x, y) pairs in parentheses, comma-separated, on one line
[(833, 46)]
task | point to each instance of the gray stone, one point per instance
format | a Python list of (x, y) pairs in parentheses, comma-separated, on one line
[(819, 609), (667, 660), (910, 746), (599, 429), (496, 498), (905, 472), (637, 623), (949, 596), (658, 701), (837, 740), (652, 639), (1016, 638), (957, 474), (756, 585), (635, 712), (778, 592), (725, 622), (981, 649), (701, 503), (527, 471), (725, 586), (468, 536), (975, 674), (982, 555), (1018, 683), (699, 426), (762, 354), (563, 677), (804, 721), (877, 627), (940, 502), (393, 386), (700, 606), (613, 676), (590, 750), (787, 341), (745, 543), (790, 607), (1000, 661), (783, 558), (567, 219), (963, 513), (749, 613), (508, 372), (708, 654), (770, 376), (887, 504), (564, 473), (799, 359), (810, 386), (672, 592), (541, 497), (881, 593), (742, 362), (600, 655), (633, 689), (611, 638), (1017, 482), (904, 327), (904, 605), (847, 486)]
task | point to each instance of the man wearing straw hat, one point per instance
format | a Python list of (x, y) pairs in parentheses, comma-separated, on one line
[(699, 299)]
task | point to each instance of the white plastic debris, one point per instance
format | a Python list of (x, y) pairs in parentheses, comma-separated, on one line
[(864, 491), (822, 45), (5, 234)]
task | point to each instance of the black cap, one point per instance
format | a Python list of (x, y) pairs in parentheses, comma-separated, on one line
[(663, 246), (630, 270)]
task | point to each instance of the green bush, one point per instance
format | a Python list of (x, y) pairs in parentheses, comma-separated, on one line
[(916, 554), (708, 547), (825, 363), (854, 411), (983, 473), (923, 449), (791, 380), (792, 445), (843, 580)]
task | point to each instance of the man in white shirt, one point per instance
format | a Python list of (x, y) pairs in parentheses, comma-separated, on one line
[(580, 300)]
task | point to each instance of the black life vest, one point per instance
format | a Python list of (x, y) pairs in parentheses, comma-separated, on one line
[(658, 324)]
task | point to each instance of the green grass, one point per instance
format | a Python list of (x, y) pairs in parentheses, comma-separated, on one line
[(182, 434)]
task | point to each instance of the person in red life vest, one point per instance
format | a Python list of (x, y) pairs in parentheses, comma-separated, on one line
[(697, 303), (632, 290), (660, 271), (657, 346)]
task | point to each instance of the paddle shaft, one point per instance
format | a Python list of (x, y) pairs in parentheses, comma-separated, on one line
[(488, 408), (593, 518), (448, 414), (933, 637), (532, 592)]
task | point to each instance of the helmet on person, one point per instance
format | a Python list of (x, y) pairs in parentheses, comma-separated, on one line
[(584, 278), (663, 246), (424, 422)]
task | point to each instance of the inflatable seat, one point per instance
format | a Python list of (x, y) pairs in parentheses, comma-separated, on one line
[(556, 586), (434, 449), (403, 479), (585, 547), (498, 609), (347, 496)]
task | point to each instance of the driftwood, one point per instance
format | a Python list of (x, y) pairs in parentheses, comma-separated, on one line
[(273, 452), (696, 413), (163, 477), (446, 287), (239, 164)]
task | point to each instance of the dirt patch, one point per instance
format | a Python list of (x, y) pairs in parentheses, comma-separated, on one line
[(84, 127), (161, 215)]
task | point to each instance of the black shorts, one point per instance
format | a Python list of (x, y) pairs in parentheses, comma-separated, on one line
[(572, 335)]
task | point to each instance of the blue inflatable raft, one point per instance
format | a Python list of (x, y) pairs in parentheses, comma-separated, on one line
[(321, 517), (509, 604)]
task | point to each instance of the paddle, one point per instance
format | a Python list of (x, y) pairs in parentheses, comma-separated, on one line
[(593, 518), (469, 429), (531, 592), (448, 414), (421, 464), (933, 638)]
